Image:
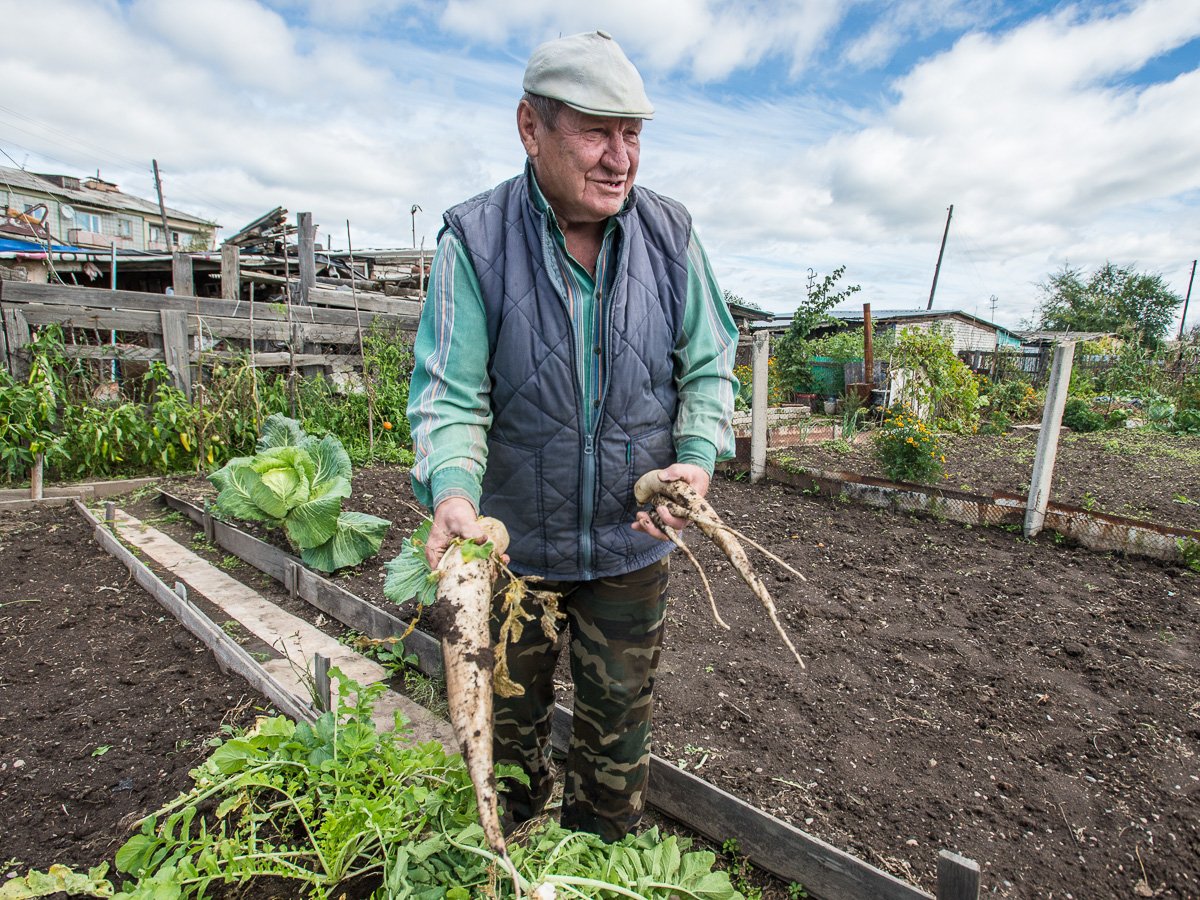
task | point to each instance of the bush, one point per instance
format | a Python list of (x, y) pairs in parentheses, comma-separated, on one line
[(1188, 421), (1078, 415), (1015, 399), (907, 448), (941, 385)]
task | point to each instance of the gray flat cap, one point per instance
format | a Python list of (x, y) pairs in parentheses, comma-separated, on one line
[(588, 72)]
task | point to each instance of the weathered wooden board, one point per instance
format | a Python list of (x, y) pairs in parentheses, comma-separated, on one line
[(403, 315), (295, 638), (229, 653), (958, 877), (342, 361), (126, 352), (216, 327), (175, 348), (349, 609), (793, 855), (368, 301)]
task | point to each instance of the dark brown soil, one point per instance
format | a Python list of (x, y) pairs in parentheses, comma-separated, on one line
[(106, 702), (1031, 705), (1134, 473)]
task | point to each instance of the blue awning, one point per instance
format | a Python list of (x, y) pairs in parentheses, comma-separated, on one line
[(12, 245)]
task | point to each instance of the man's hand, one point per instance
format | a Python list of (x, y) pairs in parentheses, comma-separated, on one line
[(455, 517), (694, 476)]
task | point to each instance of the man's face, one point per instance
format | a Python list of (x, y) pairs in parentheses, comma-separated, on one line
[(586, 165)]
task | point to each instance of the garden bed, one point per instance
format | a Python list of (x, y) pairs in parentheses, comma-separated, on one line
[(1135, 473), (1031, 705), (106, 702)]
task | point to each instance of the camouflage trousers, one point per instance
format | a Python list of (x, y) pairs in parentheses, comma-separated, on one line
[(615, 630)]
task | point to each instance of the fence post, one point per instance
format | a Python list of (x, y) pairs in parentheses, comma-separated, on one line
[(16, 335), (231, 286), (35, 477), (181, 275), (1047, 447), (321, 686), (175, 347), (306, 243), (758, 405)]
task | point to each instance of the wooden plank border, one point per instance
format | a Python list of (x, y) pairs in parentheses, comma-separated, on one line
[(770, 843), (349, 609), (231, 656), (1096, 531)]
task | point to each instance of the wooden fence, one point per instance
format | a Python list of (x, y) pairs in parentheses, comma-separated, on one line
[(185, 332)]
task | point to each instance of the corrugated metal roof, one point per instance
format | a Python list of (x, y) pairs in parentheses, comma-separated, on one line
[(119, 201)]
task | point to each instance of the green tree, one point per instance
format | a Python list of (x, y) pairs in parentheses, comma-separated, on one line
[(1137, 305), (792, 350)]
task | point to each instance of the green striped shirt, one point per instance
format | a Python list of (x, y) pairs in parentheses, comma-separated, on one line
[(449, 406)]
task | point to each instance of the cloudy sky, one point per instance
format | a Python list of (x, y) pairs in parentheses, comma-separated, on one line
[(802, 134)]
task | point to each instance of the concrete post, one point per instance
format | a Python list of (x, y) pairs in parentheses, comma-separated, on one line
[(1047, 448), (758, 406)]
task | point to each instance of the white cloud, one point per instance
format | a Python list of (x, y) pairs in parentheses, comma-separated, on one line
[(1038, 134), (709, 39)]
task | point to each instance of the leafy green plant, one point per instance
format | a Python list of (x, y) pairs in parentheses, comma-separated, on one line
[(297, 482), (740, 869), (1187, 421), (408, 575), (1078, 415), (153, 427), (939, 384), (1014, 398), (29, 409), (907, 448), (337, 801), (1190, 551)]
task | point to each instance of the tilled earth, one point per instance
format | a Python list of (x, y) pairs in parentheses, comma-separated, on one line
[(1031, 705), (1134, 473), (106, 702)]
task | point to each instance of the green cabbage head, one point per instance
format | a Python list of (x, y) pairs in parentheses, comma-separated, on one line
[(297, 482)]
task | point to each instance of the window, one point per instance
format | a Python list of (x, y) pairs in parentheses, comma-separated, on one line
[(156, 235), (87, 221), (125, 228)]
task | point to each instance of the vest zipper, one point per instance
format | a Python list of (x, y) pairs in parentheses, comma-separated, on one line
[(587, 503)]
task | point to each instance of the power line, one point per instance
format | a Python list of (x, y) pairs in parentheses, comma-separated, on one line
[(112, 155)]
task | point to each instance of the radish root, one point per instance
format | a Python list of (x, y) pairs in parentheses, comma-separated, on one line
[(687, 551), (681, 500), (465, 577)]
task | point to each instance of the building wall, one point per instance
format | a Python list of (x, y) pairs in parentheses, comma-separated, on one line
[(126, 229), (964, 335)]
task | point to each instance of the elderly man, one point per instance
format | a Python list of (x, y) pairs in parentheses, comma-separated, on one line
[(574, 337)]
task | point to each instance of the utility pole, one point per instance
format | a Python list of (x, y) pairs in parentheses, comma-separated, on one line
[(938, 268), (1186, 299), (162, 210), (415, 209)]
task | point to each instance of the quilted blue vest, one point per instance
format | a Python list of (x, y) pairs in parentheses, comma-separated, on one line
[(566, 496)]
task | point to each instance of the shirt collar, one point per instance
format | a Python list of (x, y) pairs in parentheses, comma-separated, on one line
[(542, 205)]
